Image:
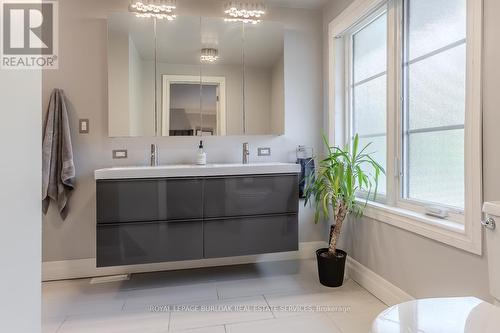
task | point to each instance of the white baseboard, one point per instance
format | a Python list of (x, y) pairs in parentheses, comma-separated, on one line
[(86, 268), (375, 284)]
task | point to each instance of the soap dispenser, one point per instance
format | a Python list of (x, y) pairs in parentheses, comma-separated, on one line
[(201, 159)]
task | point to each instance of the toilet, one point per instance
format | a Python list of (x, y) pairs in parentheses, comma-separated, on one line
[(452, 315)]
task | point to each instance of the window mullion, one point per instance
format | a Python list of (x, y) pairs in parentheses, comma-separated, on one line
[(392, 102), (403, 85), (348, 74)]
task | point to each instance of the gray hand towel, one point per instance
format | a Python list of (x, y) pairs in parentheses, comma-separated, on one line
[(58, 169)]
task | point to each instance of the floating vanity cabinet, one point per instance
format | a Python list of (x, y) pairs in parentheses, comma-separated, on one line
[(159, 219)]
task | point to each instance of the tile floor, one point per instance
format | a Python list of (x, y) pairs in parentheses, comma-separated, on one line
[(283, 296)]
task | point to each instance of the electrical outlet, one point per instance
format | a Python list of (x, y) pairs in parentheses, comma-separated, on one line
[(84, 126), (264, 151), (120, 154)]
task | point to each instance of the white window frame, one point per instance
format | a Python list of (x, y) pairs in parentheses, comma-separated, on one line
[(463, 229)]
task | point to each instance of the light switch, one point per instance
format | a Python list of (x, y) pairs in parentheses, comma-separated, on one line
[(264, 151), (120, 154), (84, 126)]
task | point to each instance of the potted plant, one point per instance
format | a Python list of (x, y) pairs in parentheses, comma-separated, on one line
[(342, 175)]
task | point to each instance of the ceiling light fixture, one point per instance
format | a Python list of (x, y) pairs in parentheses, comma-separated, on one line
[(246, 12), (209, 55), (160, 9)]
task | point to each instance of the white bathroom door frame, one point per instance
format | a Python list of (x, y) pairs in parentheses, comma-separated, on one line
[(219, 81)]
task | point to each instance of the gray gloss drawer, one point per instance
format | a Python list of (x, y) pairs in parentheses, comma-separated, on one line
[(252, 195), (141, 243), (184, 199), (148, 200), (246, 236)]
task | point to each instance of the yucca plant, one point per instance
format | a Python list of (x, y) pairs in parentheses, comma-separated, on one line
[(344, 173)]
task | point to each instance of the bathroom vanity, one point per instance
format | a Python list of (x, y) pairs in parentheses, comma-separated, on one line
[(173, 213), (186, 212)]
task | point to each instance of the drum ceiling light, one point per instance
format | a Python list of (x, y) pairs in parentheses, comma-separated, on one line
[(209, 55)]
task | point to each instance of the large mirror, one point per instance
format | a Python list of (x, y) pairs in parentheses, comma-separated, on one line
[(213, 78)]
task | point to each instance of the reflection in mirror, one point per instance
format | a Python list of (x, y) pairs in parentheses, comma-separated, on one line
[(182, 95), (178, 76), (131, 76), (212, 77), (222, 58), (264, 79)]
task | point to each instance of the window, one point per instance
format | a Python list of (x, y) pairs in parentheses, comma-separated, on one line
[(405, 75), (434, 102), (368, 89)]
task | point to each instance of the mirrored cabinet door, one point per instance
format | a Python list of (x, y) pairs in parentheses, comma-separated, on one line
[(264, 79), (222, 77), (179, 91), (131, 95)]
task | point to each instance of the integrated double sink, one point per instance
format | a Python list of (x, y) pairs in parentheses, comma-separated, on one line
[(190, 170)]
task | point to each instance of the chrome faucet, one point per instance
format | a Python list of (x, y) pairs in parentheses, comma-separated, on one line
[(154, 155), (246, 153)]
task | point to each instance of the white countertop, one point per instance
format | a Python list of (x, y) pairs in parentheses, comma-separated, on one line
[(189, 170)]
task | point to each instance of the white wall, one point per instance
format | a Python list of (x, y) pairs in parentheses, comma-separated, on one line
[(418, 265), (83, 75), (20, 200)]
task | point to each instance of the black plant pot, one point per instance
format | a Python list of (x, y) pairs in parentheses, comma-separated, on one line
[(331, 269)]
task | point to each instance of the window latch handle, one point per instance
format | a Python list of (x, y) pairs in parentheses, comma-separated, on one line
[(489, 223)]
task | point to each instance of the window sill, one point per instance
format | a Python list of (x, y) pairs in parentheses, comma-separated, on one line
[(444, 231)]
